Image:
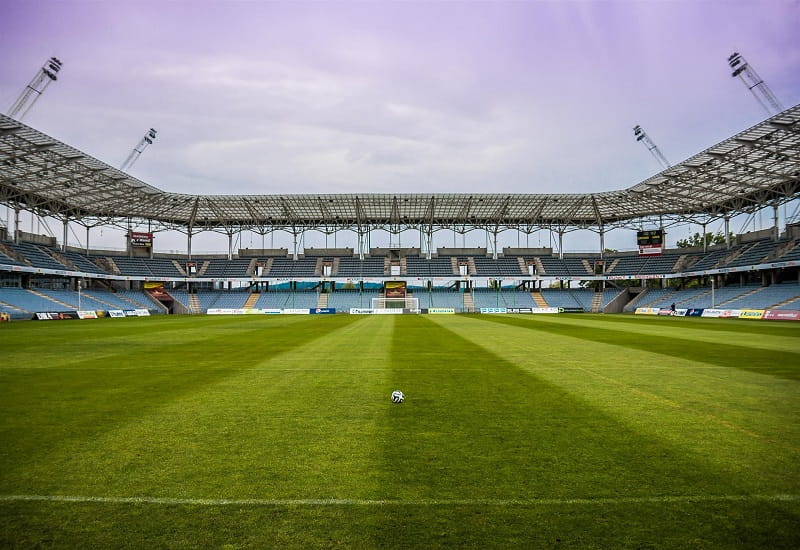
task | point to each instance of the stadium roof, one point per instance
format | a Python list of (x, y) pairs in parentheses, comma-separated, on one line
[(755, 168)]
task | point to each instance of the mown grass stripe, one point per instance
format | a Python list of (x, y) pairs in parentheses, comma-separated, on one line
[(70, 408), (546, 439), (169, 501), (785, 337), (678, 404), (776, 363)]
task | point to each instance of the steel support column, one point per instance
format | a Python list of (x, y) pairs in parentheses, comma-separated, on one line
[(777, 232), (64, 238), (727, 219)]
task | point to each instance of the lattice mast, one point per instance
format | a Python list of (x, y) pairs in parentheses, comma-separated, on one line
[(148, 139), (34, 90), (642, 136), (754, 83)]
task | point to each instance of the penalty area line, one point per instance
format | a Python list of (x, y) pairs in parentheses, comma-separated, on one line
[(666, 499)]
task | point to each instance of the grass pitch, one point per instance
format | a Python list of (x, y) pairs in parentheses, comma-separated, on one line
[(568, 431)]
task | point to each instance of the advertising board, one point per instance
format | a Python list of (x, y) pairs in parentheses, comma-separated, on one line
[(751, 314), (781, 315)]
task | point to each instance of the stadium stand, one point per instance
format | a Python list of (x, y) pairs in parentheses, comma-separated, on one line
[(343, 300), (35, 255), (73, 300), (487, 297), (440, 298), (28, 301), (286, 267), (435, 267), (560, 298), (354, 267), (287, 299), (237, 267), (81, 262), (148, 267), (754, 254), (792, 255), (138, 300), (501, 267)]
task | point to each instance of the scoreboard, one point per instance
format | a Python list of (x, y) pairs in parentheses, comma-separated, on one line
[(651, 242), (142, 240)]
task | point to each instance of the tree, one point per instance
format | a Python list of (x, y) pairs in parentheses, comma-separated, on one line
[(696, 240)]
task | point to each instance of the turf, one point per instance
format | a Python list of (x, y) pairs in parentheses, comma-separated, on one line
[(569, 431)]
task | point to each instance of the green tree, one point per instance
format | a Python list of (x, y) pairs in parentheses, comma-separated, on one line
[(697, 240)]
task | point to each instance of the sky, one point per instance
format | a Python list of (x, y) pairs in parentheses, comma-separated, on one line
[(396, 97)]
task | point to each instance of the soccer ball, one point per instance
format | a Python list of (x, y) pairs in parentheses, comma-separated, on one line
[(397, 396)]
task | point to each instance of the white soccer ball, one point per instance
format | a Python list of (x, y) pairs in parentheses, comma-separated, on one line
[(397, 396)]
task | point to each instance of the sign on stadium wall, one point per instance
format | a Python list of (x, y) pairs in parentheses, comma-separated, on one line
[(535, 310), (494, 310), (721, 313), (253, 311), (751, 314), (781, 315), (377, 311), (439, 310), (647, 311), (55, 315), (87, 314), (115, 313)]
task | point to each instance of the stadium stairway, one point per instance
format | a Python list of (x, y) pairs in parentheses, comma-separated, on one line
[(469, 301), (454, 265), (251, 300), (59, 302), (112, 266), (539, 299), (14, 310), (687, 301), (179, 267), (194, 304), (794, 300), (597, 302), (322, 299), (740, 296), (96, 299), (611, 267)]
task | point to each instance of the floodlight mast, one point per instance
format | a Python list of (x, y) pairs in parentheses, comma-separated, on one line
[(642, 136), (34, 90), (148, 139), (754, 83)]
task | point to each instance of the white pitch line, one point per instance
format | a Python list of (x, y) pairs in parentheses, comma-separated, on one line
[(681, 499)]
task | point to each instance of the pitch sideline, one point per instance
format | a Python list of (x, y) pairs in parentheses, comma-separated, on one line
[(683, 499)]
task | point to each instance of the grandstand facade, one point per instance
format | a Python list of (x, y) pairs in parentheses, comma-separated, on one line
[(756, 169)]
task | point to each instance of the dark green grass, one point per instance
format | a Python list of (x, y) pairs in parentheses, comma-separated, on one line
[(518, 431)]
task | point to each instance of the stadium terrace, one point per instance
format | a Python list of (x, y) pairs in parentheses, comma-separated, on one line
[(755, 169)]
